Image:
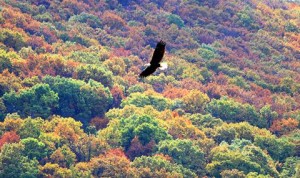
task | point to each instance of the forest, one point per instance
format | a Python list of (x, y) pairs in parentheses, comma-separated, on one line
[(72, 104)]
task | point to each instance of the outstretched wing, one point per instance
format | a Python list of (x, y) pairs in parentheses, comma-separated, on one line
[(158, 53), (148, 71)]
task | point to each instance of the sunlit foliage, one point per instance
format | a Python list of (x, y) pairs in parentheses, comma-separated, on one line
[(72, 105)]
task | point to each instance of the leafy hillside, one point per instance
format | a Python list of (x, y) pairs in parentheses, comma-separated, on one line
[(72, 105)]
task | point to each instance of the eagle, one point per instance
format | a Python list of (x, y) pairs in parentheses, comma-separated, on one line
[(155, 61)]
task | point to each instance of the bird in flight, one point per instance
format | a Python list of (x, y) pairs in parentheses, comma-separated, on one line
[(155, 61)]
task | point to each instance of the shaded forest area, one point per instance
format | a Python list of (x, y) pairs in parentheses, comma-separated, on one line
[(72, 105)]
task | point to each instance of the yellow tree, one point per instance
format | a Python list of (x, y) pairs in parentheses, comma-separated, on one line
[(195, 101), (112, 164)]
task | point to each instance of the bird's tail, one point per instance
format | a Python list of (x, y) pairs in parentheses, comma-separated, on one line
[(163, 66)]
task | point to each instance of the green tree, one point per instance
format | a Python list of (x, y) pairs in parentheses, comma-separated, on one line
[(112, 134), (224, 133), (278, 148), (243, 156), (256, 175), (243, 130), (268, 115), (63, 156), (257, 155), (233, 173), (184, 152), (175, 19), (204, 121), (31, 128), (99, 74), (2, 110), (45, 17), (38, 101), (206, 74), (14, 164), (92, 20), (33, 148), (241, 82), (78, 99), (142, 99), (297, 170), (5, 62), (160, 167), (12, 39), (84, 57), (289, 167), (291, 27), (229, 110), (245, 19), (208, 52), (214, 64), (144, 127)]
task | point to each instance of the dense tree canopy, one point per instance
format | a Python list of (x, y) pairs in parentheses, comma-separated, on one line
[(72, 105)]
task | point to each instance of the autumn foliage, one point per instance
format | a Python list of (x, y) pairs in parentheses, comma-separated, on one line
[(284, 126), (9, 137), (72, 105)]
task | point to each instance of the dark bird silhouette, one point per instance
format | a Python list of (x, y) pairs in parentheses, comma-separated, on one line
[(155, 61)]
